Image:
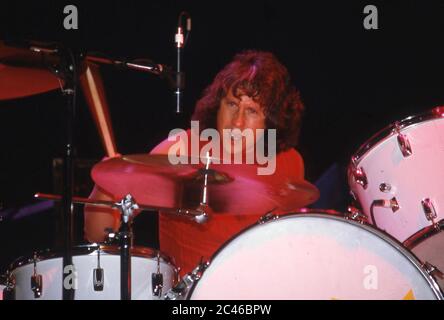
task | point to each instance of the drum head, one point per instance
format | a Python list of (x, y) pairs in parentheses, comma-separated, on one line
[(314, 256), (428, 246)]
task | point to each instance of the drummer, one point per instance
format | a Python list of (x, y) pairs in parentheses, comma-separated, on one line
[(253, 91)]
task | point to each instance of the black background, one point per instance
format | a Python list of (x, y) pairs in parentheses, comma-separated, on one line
[(353, 82)]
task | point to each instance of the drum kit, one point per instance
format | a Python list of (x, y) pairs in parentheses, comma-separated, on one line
[(387, 246)]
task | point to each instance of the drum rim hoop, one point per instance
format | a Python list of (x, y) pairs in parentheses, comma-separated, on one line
[(390, 130), (423, 234), (87, 249)]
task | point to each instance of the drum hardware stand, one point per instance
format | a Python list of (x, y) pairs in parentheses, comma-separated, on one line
[(355, 214), (181, 290), (201, 213), (432, 270), (98, 274), (157, 280), (403, 141), (110, 236), (9, 290), (203, 207), (143, 65), (68, 71), (430, 212), (359, 174), (268, 216), (127, 206), (36, 280), (354, 210)]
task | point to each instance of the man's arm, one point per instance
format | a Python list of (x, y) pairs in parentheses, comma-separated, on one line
[(99, 218)]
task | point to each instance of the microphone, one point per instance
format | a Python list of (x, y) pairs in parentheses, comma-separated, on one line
[(179, 79)]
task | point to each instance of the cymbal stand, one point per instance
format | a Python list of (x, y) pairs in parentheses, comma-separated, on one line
[(204, 208), (68, 71), (127, 206)]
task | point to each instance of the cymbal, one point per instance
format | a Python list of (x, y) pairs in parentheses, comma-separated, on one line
[(232, 188), (24, 73)]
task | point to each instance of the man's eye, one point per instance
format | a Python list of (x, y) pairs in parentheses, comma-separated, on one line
[(252, 111), (231, 104)]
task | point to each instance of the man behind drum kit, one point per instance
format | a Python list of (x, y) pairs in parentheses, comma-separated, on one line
[(252, 92)]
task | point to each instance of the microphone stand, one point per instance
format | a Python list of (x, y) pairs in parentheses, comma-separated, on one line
[(179, 77)]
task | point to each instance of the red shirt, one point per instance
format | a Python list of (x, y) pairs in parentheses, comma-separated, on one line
[(187, 242)]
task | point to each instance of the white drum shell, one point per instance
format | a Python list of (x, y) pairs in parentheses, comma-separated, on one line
[(412, 179), (142, 268)]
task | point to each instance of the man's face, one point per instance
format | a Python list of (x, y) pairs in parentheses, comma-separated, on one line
[(239, 113)]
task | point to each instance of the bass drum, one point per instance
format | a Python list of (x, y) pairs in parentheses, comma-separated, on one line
[(397, 176), (40, 277), (311, 256)]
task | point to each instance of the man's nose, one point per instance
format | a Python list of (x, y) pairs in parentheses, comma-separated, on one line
[(239, 119)]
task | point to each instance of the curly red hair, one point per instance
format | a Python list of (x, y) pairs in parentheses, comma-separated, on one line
[(262, 77)]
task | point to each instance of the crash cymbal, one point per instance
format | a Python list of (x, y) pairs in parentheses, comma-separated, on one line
[(24, 73), (232, 188)]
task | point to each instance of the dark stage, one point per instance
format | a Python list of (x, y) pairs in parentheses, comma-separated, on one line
[(353, 83)]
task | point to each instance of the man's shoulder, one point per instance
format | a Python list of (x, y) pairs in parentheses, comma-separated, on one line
[(291, 161), (290, 154)]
